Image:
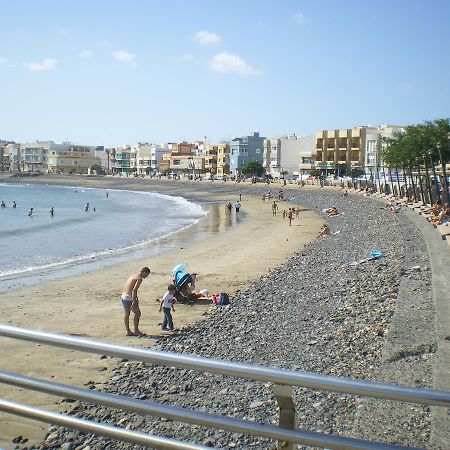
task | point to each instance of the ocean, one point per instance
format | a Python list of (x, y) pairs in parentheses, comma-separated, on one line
[(118, 225)]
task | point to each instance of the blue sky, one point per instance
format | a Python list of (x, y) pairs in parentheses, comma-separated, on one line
[(121, 72)]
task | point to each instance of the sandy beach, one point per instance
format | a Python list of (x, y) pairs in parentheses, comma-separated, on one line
[(88, 305)]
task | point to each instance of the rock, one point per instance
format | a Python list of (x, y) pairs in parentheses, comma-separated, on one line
[(256, 404), (50, 438)]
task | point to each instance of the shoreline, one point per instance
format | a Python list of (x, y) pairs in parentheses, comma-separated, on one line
[(88, 304)]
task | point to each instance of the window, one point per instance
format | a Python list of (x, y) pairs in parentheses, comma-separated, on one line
[(258, 150), (176, 162)]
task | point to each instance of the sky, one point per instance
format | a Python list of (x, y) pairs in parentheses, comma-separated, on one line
[(115, 72)]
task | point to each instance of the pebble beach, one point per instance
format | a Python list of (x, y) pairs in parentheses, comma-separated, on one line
[(315, 312)]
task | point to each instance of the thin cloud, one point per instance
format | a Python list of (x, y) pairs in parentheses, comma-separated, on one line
[(45, 64), (86, 53), (2, 60), (225, 62), (207, 38), (124, 57), (186, 57), (300, 18)]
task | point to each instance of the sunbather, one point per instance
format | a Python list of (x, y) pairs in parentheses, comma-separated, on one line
[(325, 231), (443, 217), (331, 211)]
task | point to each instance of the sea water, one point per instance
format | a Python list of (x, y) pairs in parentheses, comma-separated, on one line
[(117, 223)]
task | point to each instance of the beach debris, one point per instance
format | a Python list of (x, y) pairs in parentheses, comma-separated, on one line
[(374, 255)]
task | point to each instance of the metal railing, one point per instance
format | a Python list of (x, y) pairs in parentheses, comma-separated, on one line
[(287, 434)]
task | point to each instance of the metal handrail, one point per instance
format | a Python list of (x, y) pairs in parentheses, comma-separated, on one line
[(239, 370), (133, 437), (235, 425)]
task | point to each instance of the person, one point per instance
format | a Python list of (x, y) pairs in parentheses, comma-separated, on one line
[(240, 196), (107, 195), (30, 212), (166, 306), (289, 216), (3, 204), (184, 284), (52, 211), (14, 204), (331, 211), (325, 231), (237, 206), (229, 207), (274, 208), (130, 301), (86, 208), (443, 217), (94, 209)]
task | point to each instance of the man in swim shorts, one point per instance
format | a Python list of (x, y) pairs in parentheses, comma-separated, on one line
[(130, 301)]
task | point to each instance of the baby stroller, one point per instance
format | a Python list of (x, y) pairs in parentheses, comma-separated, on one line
[(184, 284)]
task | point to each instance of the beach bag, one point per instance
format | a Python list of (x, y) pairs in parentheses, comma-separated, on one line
[(224, 299), (221, 299)]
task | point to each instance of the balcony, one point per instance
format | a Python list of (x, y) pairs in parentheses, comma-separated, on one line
[(306, 166)]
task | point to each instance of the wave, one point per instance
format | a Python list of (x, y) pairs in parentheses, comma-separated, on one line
[(102, 254), (53, 225)]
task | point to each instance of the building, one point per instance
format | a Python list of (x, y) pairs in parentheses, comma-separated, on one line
[(10, 157), (211, 159), (49, 156), (66, 157), (123, 160), (284, 155), (223, 159), (374, 145), (338, 151), (307, 153), (187, 164), (245, 149)]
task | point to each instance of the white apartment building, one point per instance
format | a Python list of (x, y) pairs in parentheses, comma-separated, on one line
[(141, 158), (288, 154), (374, 145), (49, 156)]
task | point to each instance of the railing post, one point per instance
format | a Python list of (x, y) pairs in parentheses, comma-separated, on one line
[(288, 416)]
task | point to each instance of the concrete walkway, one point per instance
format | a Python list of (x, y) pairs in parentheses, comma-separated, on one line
[(439, 254)]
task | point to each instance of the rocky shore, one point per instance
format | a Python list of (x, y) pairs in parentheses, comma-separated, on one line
[(314, 313)]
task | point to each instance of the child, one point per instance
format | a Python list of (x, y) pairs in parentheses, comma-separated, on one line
[(166, 306)]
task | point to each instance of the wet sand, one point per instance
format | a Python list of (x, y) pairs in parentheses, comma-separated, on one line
[(88, 305)]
